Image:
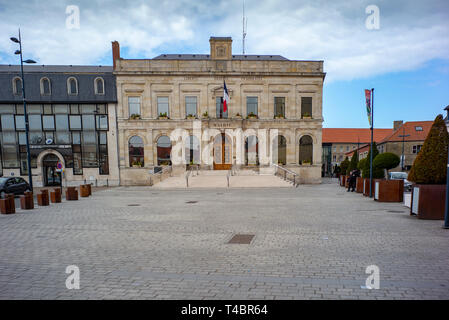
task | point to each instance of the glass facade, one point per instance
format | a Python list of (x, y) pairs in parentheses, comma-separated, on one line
[(77, 131)]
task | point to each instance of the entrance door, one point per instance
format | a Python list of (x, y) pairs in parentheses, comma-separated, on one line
[(51, 177), (222, 152)]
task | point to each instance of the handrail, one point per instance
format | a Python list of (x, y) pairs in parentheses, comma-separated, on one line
[(285, 174), (165, 169)]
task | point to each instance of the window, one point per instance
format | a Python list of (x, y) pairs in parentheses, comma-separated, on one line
[(45, 87), (341, 148), (335, 149), (163, 151), (305, 150), (99, 86), (334, 158), (252, 150), (416, 148), (280, 150), (347, 148), (89, 149), (17, 86), (62, 122), (418, 128), (251, 106), (306, 107), (88, 122), (162, 106), (191, 107), (136, 152), (75, 122), (48, 122), (72, 86), (219, 108), (134, 106), (35, 122), (279, 107), (7, 122), (102, 122)]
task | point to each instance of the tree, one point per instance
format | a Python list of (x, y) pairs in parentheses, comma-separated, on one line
[(344, 166), (354, 162), (361, 164), (430, 165), (378, 173), (386, 161)]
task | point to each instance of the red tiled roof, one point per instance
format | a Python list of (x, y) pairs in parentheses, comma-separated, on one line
[(353, 135), (409, 128)]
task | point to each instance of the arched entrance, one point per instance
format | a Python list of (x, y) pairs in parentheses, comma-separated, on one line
[(50, 175), (222, 152), (279, 150)]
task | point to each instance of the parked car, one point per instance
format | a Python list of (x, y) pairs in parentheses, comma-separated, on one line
[(14, 185), (401, 176)]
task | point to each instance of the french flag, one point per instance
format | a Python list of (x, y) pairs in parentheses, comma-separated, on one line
[(225, 97)]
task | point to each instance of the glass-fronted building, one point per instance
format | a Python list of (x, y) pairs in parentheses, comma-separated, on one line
[(72, 121)]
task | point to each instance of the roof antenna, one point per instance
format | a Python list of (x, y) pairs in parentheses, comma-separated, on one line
[(244, 25)]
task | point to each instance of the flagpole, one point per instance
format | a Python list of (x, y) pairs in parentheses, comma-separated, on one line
[(371, 153)]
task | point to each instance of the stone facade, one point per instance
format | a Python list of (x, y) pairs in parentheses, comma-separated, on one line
[(175, 77)]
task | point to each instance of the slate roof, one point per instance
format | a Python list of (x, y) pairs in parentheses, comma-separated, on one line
[(58, 75), (251, 57)]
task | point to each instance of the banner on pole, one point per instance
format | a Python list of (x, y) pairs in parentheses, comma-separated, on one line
[(368, 104)]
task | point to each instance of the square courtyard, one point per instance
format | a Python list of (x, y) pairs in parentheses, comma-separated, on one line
[(309, 242)]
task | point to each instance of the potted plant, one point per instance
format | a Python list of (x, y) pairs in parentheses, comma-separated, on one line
[(163, 116), (206, 115), (135, 116), (306, 115), (428, 173), (344, 167), (388, 190), (191, 116), (378, 173), (137, 164), (306, 162), (238, 115), (251, 115)]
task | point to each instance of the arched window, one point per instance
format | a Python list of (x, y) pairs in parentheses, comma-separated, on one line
[(280, 150), (45, 87), (192, 150), (136, 153), (251, 150), (99, 86), (306, 150), (72, 86), (163, 151), (17, 86)]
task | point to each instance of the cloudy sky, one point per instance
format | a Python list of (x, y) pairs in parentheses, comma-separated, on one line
[(406, 60)]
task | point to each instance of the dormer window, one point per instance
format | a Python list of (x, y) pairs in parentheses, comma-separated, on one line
[(418, 128), (17, 86), (72, 86), (99, 86), (45, 87)]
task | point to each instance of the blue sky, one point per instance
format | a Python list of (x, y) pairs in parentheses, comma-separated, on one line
[(406, 59)]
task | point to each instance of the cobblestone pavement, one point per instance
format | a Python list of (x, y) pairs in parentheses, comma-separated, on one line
[(311, 242)]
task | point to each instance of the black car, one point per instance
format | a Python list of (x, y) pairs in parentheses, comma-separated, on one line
[(14, 185)]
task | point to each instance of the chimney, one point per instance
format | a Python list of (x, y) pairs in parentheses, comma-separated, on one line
[(220, 48), (397, 124), (115, 52)]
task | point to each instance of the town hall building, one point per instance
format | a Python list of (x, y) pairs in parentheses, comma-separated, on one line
[(171, 112)]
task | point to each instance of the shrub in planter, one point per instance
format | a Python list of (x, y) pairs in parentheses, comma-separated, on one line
[(387, 190), (428, 172), (344, 165), (378, 173)]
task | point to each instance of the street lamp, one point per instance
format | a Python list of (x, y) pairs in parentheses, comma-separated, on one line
[(403, 140), (27, 126)]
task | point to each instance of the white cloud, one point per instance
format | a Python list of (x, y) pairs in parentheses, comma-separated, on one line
[(409, 35)]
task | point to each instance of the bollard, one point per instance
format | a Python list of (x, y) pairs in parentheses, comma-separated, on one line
[(55, 196), (71, 194), (84, 190), (42, 198), (27, 201)]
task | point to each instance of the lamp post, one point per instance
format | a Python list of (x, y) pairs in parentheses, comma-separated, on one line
[(446, 209), (403, 135), (27, 126)]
